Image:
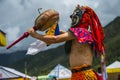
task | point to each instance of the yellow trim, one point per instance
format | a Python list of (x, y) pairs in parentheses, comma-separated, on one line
[(113, 70), (2, 39)]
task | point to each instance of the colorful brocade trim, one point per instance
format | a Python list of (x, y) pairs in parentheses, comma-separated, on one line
[(82, 35)]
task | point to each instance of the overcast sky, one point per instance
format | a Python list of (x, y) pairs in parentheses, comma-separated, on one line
[(16, 16)]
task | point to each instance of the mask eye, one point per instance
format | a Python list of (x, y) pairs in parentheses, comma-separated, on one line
[(70, 16)]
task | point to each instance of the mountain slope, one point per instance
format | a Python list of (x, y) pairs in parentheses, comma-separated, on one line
[(8, 59), (112, 40)]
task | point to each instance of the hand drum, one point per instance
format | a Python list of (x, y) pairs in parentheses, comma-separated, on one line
[(46, 19)]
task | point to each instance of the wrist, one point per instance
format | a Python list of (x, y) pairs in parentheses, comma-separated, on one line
[(31, 31)]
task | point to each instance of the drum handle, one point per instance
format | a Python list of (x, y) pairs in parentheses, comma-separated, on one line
[(25, 35)]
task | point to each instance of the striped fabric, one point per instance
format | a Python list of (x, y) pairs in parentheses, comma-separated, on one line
[(84, 75)]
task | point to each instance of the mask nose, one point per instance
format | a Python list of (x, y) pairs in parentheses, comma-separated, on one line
[(72, 16)]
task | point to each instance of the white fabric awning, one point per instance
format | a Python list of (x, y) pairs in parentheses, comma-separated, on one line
[(6, 72), (115, 64), (60, 72)]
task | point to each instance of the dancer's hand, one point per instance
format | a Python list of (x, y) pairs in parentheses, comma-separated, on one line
[(31, 31)]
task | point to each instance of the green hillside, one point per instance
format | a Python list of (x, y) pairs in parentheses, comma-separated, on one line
[(45, 61), (112, 40)]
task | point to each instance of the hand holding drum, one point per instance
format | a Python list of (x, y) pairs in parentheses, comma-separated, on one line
[(44, 21)]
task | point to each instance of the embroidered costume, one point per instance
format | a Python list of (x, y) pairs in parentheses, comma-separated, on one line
[(87, 20), (82, 35), (82, 20)]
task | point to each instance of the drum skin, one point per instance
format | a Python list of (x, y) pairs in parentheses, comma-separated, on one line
[(46, 19)]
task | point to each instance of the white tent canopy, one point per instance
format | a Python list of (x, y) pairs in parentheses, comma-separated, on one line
[(113, 70), (60, 72), (6, 72), (115, 64)]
